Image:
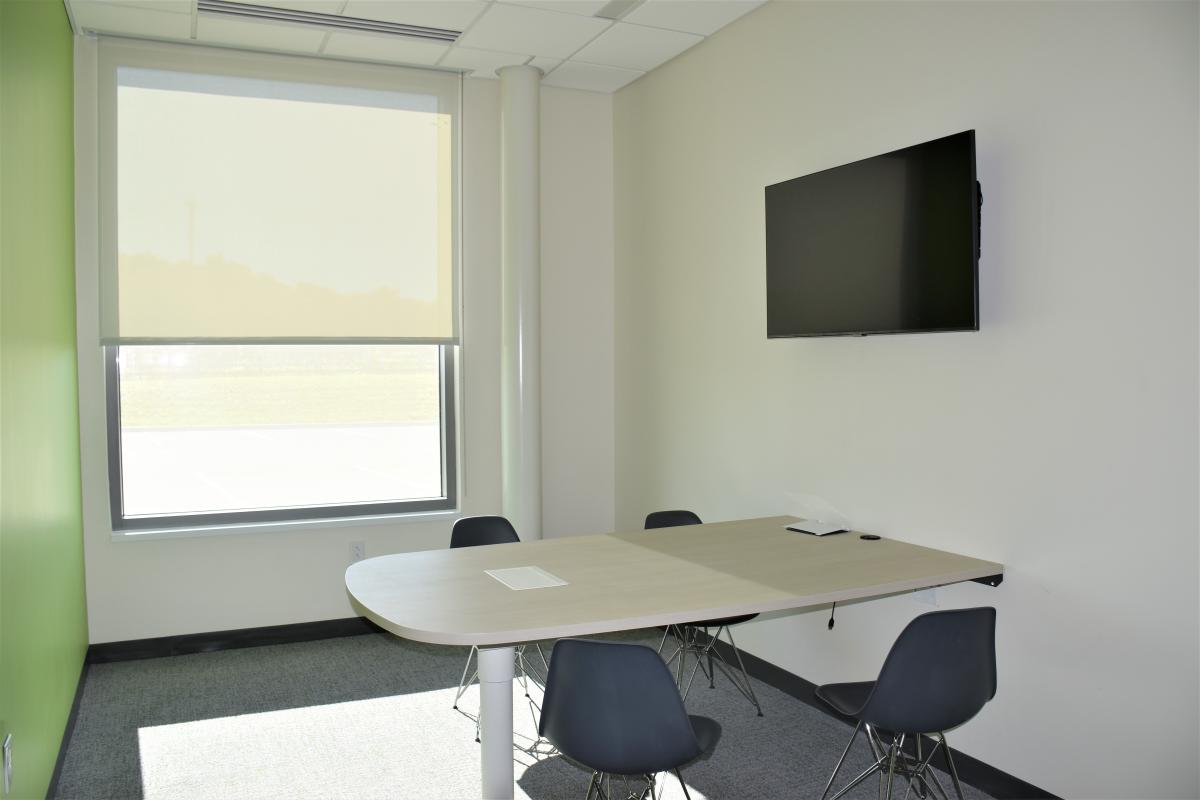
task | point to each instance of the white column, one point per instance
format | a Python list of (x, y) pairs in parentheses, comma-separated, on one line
[(496, 721), (520, 367)]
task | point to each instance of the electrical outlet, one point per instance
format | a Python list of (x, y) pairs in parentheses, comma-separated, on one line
[(358, 551), (926, 596), (7, 764)]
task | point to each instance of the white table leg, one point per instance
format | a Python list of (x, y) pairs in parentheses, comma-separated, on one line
[(496, 721)]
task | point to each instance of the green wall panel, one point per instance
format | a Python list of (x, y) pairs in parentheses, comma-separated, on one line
[(43, 620)]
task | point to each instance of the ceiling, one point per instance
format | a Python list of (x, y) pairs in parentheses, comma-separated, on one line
[(574, 48)]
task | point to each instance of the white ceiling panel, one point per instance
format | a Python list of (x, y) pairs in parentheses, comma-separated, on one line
[(532, 30), (587, 8), (546, 65), (174, 6), (563, 38), (704, 17), (454, 15), (316, 6), (92, 15), (635, 47), (593, 77), (392, 49), (258, 35), (481, 63)]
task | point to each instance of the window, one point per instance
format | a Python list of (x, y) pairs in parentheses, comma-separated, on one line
[(278, 304)]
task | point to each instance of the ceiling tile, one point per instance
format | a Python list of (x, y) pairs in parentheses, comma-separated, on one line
[(481, 63), (587, 8), (635, 47), (317, 6), (546, 65), (392, 49), (593, 77), (704, 17), (258, 35), (174, 6), (453, 15), (532, 30), (92, 15)]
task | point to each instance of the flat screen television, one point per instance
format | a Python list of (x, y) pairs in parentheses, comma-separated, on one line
[(888, 244)]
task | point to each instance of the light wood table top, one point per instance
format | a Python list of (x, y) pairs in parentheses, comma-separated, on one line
[(633, 580)]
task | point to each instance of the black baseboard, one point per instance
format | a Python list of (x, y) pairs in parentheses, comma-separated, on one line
[(52, 789), (188, 644), (983, 776)]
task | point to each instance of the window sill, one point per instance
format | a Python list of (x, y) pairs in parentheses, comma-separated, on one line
[(291, 526)]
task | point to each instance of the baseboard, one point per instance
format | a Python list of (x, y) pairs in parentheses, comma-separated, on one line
[(52, 789), (188, 644), (983, 776)]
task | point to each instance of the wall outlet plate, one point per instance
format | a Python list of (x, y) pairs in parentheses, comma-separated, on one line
[(7, 749), (926, 596), (358, 551)]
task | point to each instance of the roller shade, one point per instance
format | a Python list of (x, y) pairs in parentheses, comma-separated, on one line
[(253, 205)]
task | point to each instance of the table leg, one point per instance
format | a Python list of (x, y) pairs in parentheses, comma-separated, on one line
[(496, 721)]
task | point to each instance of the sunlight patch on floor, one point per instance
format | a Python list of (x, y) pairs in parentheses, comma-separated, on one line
[(411, 745)]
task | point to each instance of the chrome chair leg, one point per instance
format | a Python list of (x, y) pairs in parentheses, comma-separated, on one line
[(862, 776), (522, 675), (464, 682), (742, 667), (712, 677), (542, 656), (877, 767), (894, 753), (919, 772), (663, 642), (708, 660), (682, 785), (838, 766), (950, 763)]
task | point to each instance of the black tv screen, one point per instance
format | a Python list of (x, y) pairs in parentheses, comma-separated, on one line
[(888, 244)]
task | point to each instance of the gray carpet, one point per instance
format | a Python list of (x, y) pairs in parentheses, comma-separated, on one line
[(370, 717)]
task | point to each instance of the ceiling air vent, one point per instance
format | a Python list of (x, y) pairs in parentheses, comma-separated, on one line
[(327, 21), (615, 9)]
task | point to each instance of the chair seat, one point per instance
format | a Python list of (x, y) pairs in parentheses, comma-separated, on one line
[(718, 623), (846, 698)]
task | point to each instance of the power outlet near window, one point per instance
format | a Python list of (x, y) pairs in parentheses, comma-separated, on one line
[(358, 551), (926, 596), (7, 764)]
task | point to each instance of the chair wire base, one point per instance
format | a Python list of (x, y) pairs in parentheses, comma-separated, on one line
[(708, 658), (645, 787), (526, 671), (892, 763)]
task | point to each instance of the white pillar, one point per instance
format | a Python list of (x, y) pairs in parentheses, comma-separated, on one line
[(496, 721), (520, 365)]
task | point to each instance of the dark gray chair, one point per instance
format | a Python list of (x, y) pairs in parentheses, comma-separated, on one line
[(478, 532), (615, 709), (693, 638), (939, 674)]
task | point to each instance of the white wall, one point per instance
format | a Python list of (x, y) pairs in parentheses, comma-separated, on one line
[(147, 588), (1061, 439), (577, 313)]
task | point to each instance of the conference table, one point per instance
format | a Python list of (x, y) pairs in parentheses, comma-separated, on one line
[(586, 585)]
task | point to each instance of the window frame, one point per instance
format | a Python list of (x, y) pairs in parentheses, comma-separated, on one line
[(97, 60)]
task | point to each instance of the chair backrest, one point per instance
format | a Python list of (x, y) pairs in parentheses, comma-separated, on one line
[(671, 519), (939, 673), (614, 707), (475, 531)]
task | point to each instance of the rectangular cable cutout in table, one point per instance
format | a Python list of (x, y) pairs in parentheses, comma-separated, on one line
[(525, 578)]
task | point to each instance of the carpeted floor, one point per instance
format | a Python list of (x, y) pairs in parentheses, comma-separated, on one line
[(370, 716)]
